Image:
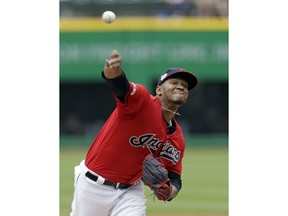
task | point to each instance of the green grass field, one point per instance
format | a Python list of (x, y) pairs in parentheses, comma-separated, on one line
[(204, 191)]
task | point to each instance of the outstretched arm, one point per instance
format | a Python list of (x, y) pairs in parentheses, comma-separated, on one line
[(115, 77)]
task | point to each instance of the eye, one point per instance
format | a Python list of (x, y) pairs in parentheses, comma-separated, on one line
[(185, 85), (174, 82)]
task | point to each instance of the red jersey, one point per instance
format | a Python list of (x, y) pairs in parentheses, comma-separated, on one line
[(135, 129)]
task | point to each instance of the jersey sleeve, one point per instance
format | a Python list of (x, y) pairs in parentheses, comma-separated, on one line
[(135, 100), (172, 167)]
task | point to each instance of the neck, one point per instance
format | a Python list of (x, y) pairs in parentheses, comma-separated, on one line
[(174, 113), (168, 114)]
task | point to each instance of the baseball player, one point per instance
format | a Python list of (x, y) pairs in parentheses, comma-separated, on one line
[(108, 182)]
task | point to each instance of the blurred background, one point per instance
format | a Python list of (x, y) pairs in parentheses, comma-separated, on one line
[(151, 35), (92, 8)]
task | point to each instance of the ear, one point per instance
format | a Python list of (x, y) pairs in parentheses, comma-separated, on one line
[(158, 90)]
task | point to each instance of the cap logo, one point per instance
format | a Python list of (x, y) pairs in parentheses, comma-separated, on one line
[(163, 76)]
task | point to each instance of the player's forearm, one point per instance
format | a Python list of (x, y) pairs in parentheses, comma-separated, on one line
[(175, 180), (120, 85), (174, 192), (176, 184)]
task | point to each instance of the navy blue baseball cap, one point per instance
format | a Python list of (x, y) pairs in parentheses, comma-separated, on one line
[(181, 73)]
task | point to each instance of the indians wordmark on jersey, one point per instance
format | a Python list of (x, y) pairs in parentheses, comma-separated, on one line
[(151, 142)]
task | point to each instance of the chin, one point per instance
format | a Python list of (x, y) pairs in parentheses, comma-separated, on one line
[(179, 102)]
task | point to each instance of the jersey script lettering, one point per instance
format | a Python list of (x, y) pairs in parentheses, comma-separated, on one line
[(170, 152), (153, 143)]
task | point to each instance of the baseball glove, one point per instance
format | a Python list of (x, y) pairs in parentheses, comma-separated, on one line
[(155, 176)]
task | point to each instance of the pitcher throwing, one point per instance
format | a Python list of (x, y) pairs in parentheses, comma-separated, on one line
[(109, 181)]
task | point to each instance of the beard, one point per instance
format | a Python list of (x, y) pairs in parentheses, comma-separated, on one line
[(173, 99), (179, 102)]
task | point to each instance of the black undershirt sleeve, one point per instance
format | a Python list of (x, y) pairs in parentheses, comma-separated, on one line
[(120, 85), (175, 180)]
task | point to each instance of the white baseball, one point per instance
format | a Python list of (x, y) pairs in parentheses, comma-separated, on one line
[(108, 17)]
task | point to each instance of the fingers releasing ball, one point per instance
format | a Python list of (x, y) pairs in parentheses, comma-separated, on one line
[(108, 17)]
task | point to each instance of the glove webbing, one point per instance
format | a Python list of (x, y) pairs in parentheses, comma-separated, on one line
[(160, 176)]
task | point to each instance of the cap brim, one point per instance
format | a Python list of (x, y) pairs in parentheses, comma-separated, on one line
[(187, 76)]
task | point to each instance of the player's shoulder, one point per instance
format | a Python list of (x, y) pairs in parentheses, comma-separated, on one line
[(136, 88)]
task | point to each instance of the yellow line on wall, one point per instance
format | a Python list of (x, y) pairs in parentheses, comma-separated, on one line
[(144, 24)]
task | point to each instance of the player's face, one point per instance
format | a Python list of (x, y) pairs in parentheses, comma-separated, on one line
[(175, 90)]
